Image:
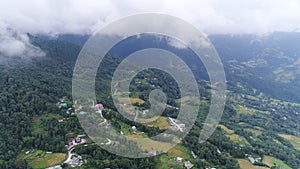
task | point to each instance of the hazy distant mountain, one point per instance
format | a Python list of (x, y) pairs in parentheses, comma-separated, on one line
[(267, 63)]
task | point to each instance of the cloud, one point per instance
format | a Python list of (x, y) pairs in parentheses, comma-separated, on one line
[(15, 45), (176, 44), (210, 16)]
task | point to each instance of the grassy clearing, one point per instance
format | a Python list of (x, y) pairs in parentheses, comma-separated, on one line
[(179, 151), (234, 137), (277, 142), (132, 100), (189, 99), (252, 97), (165, 162), (136, 136), (276, 101), (255, 132), (244, 110), (245, 164), (271, 161), (258, 128), (228, 131), (295, 141), (148, 144), (37, 127), (183, 99), (40, 159), (48, 160), (161, 122), (238, 139)]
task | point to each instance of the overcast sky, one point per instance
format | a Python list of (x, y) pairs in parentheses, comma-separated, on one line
[(210, 16)]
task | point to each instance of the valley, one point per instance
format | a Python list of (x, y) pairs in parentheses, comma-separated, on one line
[(259, 128)]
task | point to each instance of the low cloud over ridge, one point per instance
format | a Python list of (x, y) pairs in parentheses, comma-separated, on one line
[(15, 46), (210, 16)]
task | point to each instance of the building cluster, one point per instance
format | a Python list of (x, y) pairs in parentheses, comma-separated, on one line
[(76, 161), (179, 127), (187, 163), (80, 139), (252, 159)]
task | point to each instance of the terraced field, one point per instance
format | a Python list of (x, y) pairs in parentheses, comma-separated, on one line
[(234, 137), (271, 161), (295, 141), (245, 164), (132, 100), (148, 144), (161, 122)]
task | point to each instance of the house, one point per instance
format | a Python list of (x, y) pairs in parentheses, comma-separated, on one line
[(98, 107), (58, 104), (179, 159), (82, 113), (152, 153), (133, 128), (251, 159), (194, 155), (27, 152), (181, 126), (76, 161), (63, 105), (55, 167), (188, 164), (115, 143), (60, 120), (77, 140), (81, 136)]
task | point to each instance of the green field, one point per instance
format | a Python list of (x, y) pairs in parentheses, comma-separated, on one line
[(271, 161), (238, 139), (179, 151), (234, 137), (161, 122), (245, 164), (48, 160), (132, 100), (37, 123), (148, 144), (165, 162), (168, 160), (40, 159), (227, 130)]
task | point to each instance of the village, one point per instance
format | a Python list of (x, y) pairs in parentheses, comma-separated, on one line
[(76, 160), (73, 159)]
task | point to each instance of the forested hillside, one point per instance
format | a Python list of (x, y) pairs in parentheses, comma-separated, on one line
[(256, 124)]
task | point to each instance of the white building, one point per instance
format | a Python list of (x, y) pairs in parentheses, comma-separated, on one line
[(179, 159)]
